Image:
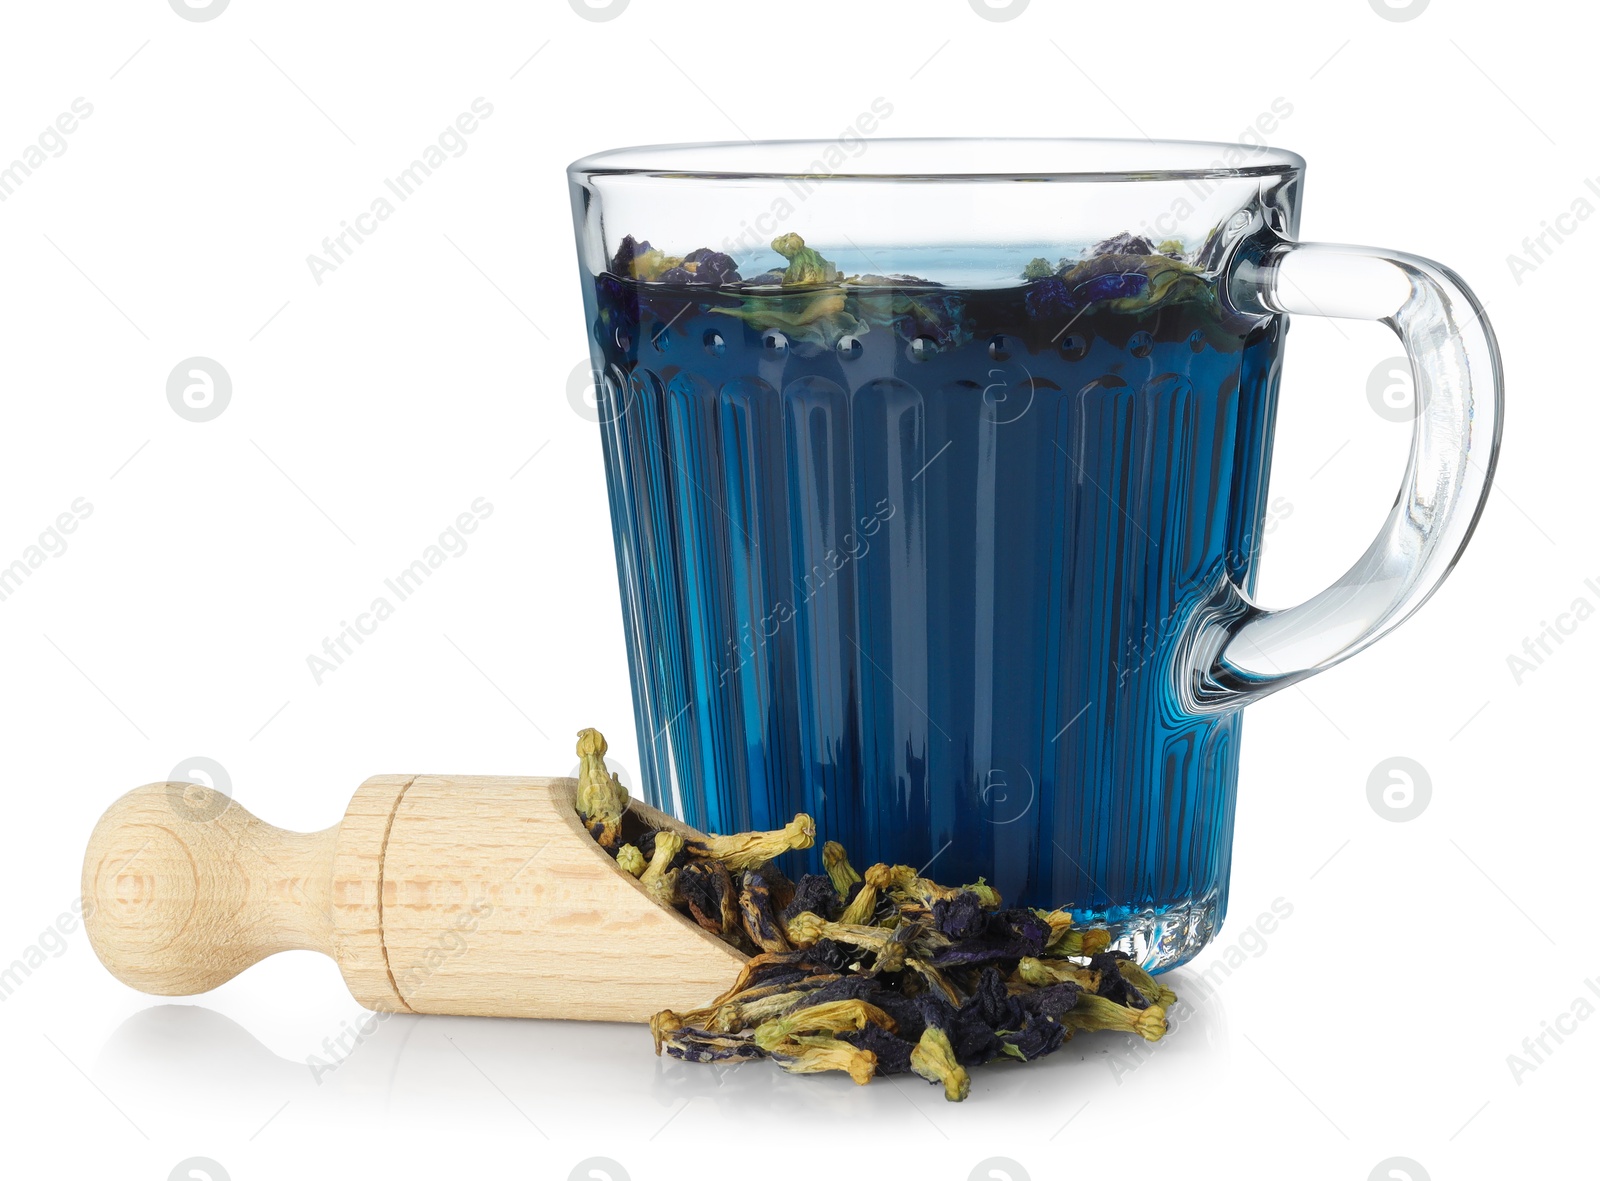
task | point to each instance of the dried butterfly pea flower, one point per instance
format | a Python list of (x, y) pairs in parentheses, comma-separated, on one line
[(988, 897), (694, 1045), (601, 799), (863, 905), (970, 1027), (936, 979), (918, 984), (842, 988), (934, 1060), (1087, 941), (707, 888), (766, 968), (647, 845), (992, 1002), (755, 908), (812, 892), (779, 888), (751, 850), (1008, 935), (961, 917), (1096, 1012), (630, 860), (663, 1025), (836, 863), (1052, 1001), (1065, 939), (1154, 991), (811, 1055), (703, 267), (810, 317), (799, 986), (837, 957), (1042, 972), (1037, 1037), (659, 879), (831, 1017), (1123, 243), (748, 1014), (892, 1051), (806, 266), (1114, 986), (889, 946)]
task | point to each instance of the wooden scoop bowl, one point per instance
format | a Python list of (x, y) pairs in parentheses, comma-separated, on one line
[(462, 894)]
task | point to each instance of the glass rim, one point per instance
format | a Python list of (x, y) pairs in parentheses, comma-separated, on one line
[(955, 158)]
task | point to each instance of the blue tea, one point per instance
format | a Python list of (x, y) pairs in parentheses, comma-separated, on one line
[(915, 558)]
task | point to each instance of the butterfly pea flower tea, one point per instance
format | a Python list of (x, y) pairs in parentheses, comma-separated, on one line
[(938, 516)]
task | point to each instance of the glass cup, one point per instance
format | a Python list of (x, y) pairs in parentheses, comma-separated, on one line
[(938, 476)]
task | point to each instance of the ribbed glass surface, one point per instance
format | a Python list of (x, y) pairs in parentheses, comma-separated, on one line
[(930, 592)]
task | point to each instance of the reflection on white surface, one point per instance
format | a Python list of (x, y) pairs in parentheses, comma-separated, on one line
[(564, 1077)]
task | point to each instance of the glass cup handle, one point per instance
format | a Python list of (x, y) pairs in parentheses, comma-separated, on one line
[(1242, 651)]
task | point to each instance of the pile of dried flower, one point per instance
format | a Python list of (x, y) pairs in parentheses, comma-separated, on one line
[(881, 972)]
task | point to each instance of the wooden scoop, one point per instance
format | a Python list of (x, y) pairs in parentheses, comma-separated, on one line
[(462, 894)]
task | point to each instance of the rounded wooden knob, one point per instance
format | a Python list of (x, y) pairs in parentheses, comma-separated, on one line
[(183, 889)]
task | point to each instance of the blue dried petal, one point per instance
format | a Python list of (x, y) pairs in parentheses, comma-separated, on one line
[(813, 892), (893, 1052), (1037, 1037), (627, 250), (993, 1004), (1123, 243), (846, 988), (908, 1015), (712, 267), (830, 954), (1116, 286), (1113, 985), (693, 1045), (961, 917), (1008, 935), (1051, 1001), (1048, 297)]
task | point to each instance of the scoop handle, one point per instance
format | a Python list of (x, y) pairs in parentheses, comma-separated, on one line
[(183, 889)]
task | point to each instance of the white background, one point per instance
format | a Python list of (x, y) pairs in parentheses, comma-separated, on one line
[(431, 369)]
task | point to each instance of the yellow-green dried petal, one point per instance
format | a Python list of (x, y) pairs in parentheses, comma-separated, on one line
[(1096, 1012), (1043, 972), (1154, 991), (751, 850), (630, 860), (836, 864), (811, 1055), (935, 1060), (601, 800)]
